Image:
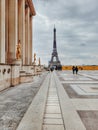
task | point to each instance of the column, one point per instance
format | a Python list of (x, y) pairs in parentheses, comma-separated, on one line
[(6, 31), (27, 35), (13, 29), (21, 27), (30, 41), (31, 47), (2, 31)]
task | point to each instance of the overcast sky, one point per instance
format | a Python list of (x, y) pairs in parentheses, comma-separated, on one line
[(76, 23)]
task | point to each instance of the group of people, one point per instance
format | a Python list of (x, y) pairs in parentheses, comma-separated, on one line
[(75, 69)]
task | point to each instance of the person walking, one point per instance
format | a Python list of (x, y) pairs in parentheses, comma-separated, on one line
[(73, 69), (76, 69)]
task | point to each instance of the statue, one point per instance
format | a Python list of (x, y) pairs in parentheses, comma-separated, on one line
[(34, 58), (18, 51), (39, 62)]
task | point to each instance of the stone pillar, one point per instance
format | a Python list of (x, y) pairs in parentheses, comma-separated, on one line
[(29, 44), (6, 31), (27, 34), (21, 27), (31, 47), (2, 31), (13, 29)]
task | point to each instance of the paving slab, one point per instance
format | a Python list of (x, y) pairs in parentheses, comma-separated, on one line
[(72, 93), (52, 103), (53, 127), (90, 119), (53, 121), (54, 115), (53, 109), (86, 89)]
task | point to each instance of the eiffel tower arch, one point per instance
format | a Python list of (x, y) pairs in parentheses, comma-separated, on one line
[(55, 62)]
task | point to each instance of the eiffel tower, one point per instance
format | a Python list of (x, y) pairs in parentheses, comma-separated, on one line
[(55, 62)]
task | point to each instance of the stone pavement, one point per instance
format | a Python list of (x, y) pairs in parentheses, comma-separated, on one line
[(64, 102)]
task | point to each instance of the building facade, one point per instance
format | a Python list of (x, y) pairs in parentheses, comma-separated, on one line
[(16, 18), (16, 24)]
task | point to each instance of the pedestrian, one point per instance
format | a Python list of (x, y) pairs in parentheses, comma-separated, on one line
[(76, 69), (51, 69), (73, 69)]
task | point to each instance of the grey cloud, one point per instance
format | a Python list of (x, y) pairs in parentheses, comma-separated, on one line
[(69, 9), (82, 44), (77, 34)]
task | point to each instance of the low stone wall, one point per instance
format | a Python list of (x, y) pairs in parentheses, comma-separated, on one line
[(9, 76), (5, 76)]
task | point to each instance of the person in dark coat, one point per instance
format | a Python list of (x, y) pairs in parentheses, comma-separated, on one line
[(73, 69), (51, 69), (76, 69)]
